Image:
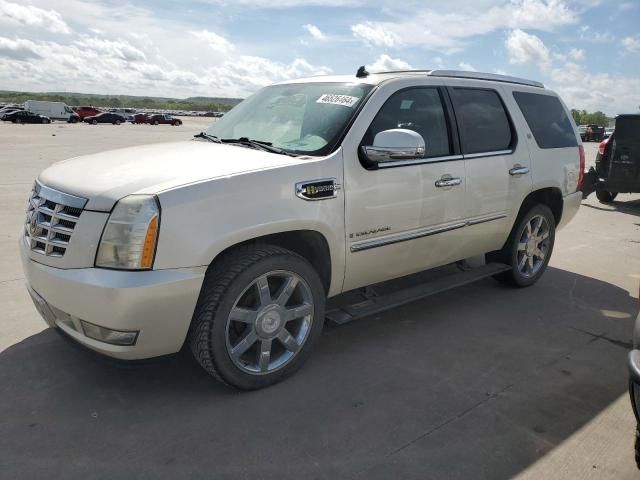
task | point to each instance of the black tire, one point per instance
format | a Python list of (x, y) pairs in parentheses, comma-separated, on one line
[(605, 196), (117, 122), (155, 122), (510, 253), (224, 283), (94, 122), (17, 120)]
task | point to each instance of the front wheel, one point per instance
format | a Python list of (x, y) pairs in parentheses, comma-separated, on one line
[(606, 197), (529, 247), (117, 122), (94, 122), (260, 312)]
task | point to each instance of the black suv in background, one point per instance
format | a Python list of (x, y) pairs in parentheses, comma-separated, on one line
[(617, 167)]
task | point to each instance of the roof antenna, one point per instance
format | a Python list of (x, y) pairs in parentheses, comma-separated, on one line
[(362, 72)]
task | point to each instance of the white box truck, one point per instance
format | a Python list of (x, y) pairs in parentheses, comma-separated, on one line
[(53, 110)]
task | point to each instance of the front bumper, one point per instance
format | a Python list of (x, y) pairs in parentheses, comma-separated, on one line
[(157, 303)]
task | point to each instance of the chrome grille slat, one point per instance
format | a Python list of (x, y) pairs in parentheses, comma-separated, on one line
[(52, 217)]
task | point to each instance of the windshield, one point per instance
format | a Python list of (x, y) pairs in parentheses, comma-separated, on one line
[(305, 118)]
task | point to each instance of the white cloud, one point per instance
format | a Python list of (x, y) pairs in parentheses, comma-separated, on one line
[(385, 63), (375, 35), (314, 31), (524, 48), (466, 66), (215, 41), (632, 44), (577, 54), (582, 89), (448, 31), (29, 15)]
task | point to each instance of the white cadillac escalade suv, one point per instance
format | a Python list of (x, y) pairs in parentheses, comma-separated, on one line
[(233, 241)]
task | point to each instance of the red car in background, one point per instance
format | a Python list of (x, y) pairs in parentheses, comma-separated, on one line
[(164, 119), (140, 118), (84, 112)]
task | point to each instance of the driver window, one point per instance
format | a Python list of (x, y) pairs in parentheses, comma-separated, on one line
[(417, 109)]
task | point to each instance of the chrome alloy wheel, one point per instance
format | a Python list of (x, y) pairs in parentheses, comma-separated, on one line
[(269, 322), (533, 246)]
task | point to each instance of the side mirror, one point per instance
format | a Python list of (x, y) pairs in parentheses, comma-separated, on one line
[(393, 145)]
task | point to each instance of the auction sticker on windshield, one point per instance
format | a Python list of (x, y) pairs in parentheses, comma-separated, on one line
[(334, 99)]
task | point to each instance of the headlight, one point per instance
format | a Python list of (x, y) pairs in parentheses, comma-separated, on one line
[(130, 236)]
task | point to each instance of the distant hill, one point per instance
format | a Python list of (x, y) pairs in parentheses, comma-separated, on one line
[(218, 104)]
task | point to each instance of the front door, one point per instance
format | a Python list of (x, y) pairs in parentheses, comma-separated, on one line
[(402, 218)]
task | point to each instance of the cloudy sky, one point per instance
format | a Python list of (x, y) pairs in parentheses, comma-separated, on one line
[(588, 50)]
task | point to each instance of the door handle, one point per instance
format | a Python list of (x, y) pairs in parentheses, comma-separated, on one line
[(518, 170), (448, 182)]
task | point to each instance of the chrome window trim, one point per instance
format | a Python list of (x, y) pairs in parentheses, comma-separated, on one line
[(59, 197), (420, 161), (488, 154), (420, 233)]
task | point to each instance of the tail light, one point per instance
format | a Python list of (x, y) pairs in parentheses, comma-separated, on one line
[(602, 146), (582, 164)]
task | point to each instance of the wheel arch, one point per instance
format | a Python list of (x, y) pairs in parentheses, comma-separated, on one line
[(549, 196), (309, 244)]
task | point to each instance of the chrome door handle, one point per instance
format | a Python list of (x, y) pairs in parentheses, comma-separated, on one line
[(518, 170), (448, 182)]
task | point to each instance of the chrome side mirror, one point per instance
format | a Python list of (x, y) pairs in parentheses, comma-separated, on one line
[(395, 144)]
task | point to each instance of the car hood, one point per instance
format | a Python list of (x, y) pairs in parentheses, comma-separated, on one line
[(106, 177)]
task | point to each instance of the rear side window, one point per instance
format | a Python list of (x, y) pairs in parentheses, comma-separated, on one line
[(483, 120), (547, 119)]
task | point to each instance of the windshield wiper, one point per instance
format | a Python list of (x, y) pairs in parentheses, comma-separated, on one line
[(259, 145), (211, 138)]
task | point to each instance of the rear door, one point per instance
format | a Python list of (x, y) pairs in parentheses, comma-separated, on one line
[(497, 162)]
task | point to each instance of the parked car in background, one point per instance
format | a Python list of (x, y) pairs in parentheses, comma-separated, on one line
[(22, 116), (7, 110), (164, 119), (608, 132), (617, 167), (85, 111), (140, 118), (105, 117), (53, 110), (231, 243), (127, 113), (592, 133), (634, 382)]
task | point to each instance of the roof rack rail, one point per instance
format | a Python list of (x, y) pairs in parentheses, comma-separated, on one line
[(484, 76)]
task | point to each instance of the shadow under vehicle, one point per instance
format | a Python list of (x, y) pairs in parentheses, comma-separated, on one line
[(617, 167)]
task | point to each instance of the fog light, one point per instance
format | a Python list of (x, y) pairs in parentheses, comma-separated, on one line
[(114, 337)]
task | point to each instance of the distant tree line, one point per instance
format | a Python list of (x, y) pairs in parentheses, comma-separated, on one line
[(582, 117), (154, 103)]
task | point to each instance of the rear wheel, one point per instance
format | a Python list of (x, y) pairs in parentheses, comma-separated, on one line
[(606, 197), (155, 122), (117, 122), (17, 120), (260, 312), (529, 247), (94, 122)]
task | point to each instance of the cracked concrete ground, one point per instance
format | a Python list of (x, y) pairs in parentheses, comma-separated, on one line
[(482, 382)]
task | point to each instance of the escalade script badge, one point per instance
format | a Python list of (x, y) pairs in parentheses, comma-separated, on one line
[(321, 189)]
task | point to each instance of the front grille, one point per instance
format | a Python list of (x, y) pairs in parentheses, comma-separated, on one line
[(51, 220)]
